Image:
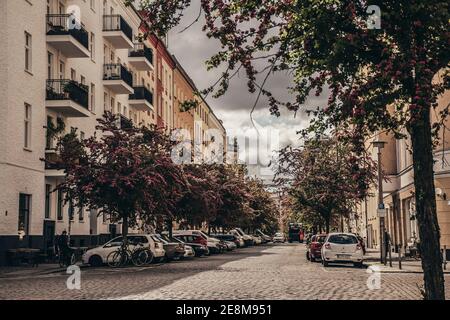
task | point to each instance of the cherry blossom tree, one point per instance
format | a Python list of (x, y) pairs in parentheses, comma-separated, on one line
[(124, 171)]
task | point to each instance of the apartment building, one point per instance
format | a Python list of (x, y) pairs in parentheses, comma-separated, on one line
[(61, 67), (398, 191)]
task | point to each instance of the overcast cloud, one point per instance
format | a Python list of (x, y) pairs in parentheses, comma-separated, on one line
[(192, 48)]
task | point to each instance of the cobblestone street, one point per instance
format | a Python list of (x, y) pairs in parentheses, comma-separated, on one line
[(264, 272)]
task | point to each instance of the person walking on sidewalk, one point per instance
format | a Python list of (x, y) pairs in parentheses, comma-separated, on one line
[(64, 250), (387, 243)]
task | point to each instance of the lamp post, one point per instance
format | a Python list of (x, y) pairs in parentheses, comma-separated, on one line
[(381, 209)]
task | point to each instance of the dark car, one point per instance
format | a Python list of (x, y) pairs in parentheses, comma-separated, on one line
[(264, 237), (174, 250), (200, 249), (313, 251), (227, 237)]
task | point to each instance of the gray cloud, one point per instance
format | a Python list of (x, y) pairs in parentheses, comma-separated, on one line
[(192, 48)]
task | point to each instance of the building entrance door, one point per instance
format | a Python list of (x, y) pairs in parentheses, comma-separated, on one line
[(49, 237)]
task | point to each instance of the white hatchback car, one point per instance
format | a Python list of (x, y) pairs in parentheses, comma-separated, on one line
[(97, 256), (342, 247)]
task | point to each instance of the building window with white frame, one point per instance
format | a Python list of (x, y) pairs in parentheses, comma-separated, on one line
[(92, 97), (27, 126), (92, 45), (28, 52)]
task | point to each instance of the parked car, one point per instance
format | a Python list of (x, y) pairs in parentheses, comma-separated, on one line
[(342, 247), (279, 237), (213, 244), (198, 243), (230, 245), (248, 240), (174, 250), (97, 256), (256, 240), (264, 237), (314, 247), (236, 240)]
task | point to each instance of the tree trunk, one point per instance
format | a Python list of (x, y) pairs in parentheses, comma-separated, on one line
[(429, 233), (124, 228), (169, 227), (327, 225)]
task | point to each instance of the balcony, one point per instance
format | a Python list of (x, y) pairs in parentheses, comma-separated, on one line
[(66, 34), (117, 31), (141, 99), (53, 166), (67, 97), (118, 79), (141, 57)]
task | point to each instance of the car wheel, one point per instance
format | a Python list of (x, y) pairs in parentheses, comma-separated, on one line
[(95, 261), (358, 264), (167, 259), (307, 256), (325, 263)]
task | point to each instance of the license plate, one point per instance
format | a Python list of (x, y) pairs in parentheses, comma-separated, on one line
[(343, 256)]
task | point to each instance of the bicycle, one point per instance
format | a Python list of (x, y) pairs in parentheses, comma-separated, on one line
[(66, 258), (123, 255)]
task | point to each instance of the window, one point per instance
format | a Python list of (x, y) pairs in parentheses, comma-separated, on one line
[(93, 5), (113, 105), (83, 80), (92, 97), (82, 135), (92, 45), (49, 65), (62, 70), (24, 212), (60, 205), (27, 126), (48, 191), (105, 101), (28, 53), (73, 75), (49, 140), (119, 107), (81, 214)]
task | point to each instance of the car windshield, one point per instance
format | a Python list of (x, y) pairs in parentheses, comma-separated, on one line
[(342, 239), (320, 239)]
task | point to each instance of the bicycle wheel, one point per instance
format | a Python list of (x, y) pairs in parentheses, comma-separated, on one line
[(139, 257), (150, 257), (116, 259)]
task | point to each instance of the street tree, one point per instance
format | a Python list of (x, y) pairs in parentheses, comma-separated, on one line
[(325, 176), (123, 171), (376, 65)]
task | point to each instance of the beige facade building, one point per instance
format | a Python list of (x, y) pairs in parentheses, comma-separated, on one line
[(61, 67), (398, 191)]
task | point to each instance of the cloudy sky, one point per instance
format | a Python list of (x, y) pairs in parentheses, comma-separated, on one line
[(193, 48)]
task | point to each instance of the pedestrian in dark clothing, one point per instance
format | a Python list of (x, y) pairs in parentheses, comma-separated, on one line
[(63, 247)]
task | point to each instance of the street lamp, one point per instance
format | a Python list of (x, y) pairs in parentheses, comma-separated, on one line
[(381, 209)]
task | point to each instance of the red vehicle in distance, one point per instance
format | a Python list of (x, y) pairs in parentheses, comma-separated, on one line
[(313, 249)]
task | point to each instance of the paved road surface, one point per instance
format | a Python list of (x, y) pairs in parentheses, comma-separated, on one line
[(263, 272)]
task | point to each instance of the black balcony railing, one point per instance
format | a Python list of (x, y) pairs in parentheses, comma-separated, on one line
[(141, 50), (142, 93), (66, 24), (68, 90), (117, 72), (116, 22), (125, 123)]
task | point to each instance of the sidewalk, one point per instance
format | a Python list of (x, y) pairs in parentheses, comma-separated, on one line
[(27, 271), (372, 258)]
